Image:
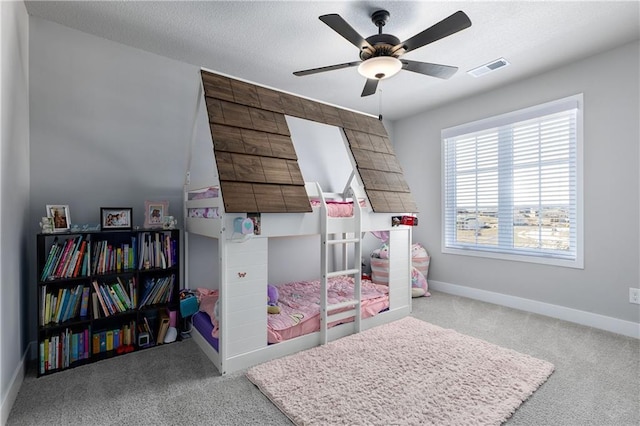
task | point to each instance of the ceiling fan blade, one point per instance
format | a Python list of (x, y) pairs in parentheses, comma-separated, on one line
[(451, 25), (328, 68), (370, 87), (433, 70), (341, 26)]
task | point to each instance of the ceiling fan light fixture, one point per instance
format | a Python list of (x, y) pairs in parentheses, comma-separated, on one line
[(380, 67)]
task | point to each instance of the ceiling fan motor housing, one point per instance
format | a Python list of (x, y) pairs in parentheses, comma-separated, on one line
[(383, 45)]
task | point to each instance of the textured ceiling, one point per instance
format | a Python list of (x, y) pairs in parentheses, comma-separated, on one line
[(264, 42)]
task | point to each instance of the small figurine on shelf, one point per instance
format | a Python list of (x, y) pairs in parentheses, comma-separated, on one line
[(47, 225), (169, 222)]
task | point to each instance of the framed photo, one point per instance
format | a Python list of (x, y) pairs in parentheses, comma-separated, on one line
[(154, 212), (116, 217), (60, 216)]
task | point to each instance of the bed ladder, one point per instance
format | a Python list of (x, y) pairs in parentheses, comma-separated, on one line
[(350, 237)]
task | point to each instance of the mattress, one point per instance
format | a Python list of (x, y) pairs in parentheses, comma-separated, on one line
[(202, 322)]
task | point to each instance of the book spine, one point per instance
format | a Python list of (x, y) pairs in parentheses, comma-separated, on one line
[(100, 299), (41, 363), (84, 304), (115, 299), (118, 259), (68, 258), (133, 252), (80, 353), (78, 301), (50, 259), (64, 312), (62, 258), (95, 305), (79, 261), (122, 293), (60, 304), (86, 344), (133, 292), (107, 299)]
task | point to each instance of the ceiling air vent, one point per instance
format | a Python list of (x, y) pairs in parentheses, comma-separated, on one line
[(487, 68)]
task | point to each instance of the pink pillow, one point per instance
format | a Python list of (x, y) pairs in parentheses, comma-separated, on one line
[(208, 299)]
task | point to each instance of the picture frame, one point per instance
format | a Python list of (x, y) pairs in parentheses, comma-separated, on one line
[(119, 218), (60, 216), (154, 212)]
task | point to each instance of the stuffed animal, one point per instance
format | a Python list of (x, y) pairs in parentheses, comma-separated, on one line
[(418, 284), (272, 299), (382, 252), (417, 250)]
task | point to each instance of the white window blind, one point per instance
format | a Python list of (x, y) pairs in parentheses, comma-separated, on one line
[(512, 185)]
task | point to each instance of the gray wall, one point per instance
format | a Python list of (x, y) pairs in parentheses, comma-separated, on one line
[(110, 127), (14, 199), (610, 85)]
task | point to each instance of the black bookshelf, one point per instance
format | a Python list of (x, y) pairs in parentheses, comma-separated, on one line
[(104, 293)]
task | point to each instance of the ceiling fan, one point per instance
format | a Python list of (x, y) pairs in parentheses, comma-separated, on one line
[(380, 53)]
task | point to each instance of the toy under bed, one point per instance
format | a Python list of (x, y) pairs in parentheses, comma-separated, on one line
[(300, 308)]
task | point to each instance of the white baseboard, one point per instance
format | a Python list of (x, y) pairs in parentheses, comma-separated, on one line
[(614, 325), (14, 388)]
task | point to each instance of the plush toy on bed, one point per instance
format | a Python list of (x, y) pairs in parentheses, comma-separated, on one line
[(272, 299), (382, 252)]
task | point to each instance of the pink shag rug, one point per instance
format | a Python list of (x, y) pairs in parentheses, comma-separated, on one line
[(407, 372)]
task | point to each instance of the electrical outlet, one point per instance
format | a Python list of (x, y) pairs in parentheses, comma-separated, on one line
[(634, 295)]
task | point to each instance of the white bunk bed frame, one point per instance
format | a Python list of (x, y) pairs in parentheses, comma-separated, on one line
[(243, 275), (242, 268)]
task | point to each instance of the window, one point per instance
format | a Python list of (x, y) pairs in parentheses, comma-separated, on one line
[(513, 186)]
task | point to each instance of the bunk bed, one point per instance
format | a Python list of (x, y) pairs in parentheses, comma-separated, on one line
[(256, 176), (245, 337)]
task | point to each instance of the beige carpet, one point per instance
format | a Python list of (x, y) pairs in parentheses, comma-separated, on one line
[(407, 372)]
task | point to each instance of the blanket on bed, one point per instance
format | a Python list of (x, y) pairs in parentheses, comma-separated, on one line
[(300, 304)]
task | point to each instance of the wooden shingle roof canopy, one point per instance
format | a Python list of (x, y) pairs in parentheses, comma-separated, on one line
[(256, 159)]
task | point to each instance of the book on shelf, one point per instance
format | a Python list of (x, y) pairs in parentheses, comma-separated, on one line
[(147, 329), (62, 349), (115, 300), (123, 294), (84, 303), (109, 340), (95, 305), (71, 257), (99, 296), (80, 260), (164, 326), (133, 294), (55, 248)]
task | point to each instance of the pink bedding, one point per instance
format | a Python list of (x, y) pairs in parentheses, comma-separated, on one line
[(300, 305), (338, 208)]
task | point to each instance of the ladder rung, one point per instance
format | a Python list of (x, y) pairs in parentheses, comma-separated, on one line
[(344, 241), (342, 315), (345, 304), (343, 272)]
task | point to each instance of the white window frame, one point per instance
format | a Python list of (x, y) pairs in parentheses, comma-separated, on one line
[(575, 101)]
